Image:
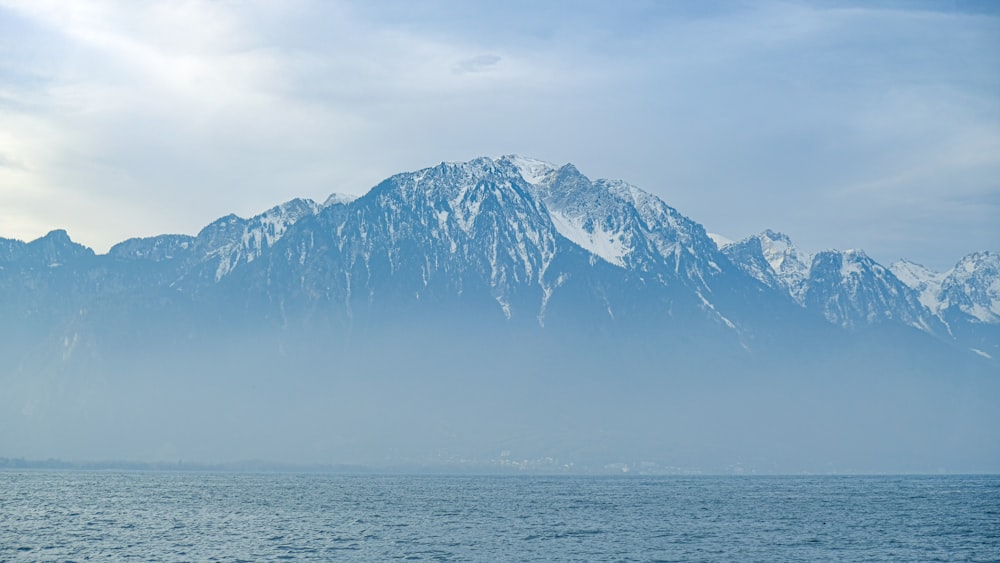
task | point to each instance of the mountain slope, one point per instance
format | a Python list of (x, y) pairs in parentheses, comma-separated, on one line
[(466, 309), (846, 287), (973, 288), (850, 289), (966, 299)]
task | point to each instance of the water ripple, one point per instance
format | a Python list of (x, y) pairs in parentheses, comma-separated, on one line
[(74, 516)]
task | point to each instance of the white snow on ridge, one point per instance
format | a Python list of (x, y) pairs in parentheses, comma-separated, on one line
[(532, 170), (788, 263), (720, 240), (336, 198), (981, 313), (923, 280), (973, 286), (851, 261), (272, 224), (652, 210), (606, 217), (577, 221), (247, 239), (606, 244)]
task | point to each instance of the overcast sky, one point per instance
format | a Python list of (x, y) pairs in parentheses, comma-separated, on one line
[(845, 125)]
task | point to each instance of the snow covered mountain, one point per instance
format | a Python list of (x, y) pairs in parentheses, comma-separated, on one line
[(619, 222), (512, 234), (773, 260), (465, 231), (225, 243), (970, 289), (477, 233), (847, 288), (926, 282), (631, 229), (850, 289), (966, 299), (475, 301), (622, 224)]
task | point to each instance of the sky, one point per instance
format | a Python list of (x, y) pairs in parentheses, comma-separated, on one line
[(871, 125)]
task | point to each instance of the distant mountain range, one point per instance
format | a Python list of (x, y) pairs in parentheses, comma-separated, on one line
[(510, 264), (850, 289)]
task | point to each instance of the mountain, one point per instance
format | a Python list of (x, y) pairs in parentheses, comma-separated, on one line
[(773, 260), (221, 246), (498, 304), (628, 228), (847, 288), (926, 282), (972, 288), (966, 299)]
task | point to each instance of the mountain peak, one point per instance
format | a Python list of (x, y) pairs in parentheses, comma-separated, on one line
[(904, 265), (533, 171), (720, 240), (973, 287), (56, 247), (620, 223), (776, 236), (339, 199), (785, 259), (772, 259), (155, 249), (979, 261), (852, 289), (923, 280), (58, 236)]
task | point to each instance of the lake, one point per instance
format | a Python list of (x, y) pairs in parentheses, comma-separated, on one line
[(178, 516)]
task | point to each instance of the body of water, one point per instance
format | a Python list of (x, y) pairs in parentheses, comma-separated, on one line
[(151, 516)]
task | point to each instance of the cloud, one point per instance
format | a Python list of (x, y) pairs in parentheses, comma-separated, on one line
[(788, 115), (479, 63), (6, 162)]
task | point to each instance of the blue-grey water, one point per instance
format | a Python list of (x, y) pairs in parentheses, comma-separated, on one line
[(150, 516)]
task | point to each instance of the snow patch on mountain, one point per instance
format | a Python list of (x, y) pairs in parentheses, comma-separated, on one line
[(594, 238), (621, 224), (851, 267), (846, 287), (720, 240), (579, 213), (973, 287), (772, 259), (233, 240), (923, 280), (267, 228), (533, 171), (156, 249), (851, 289), (488, 232), (474, 222), (339, 199), (580, 210), (790, 264)]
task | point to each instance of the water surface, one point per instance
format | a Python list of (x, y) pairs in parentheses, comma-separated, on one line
[(150, 516)]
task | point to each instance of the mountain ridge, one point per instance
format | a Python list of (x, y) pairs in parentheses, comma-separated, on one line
[(610, 220), (482, 306)]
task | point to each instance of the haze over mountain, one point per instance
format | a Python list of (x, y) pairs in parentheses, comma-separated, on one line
[(496, 313)]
